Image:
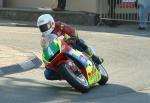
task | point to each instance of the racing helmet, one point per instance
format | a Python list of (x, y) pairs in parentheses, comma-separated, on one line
[(46, 24)]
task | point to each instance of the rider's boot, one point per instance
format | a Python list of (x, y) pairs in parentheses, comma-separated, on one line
[(84, 48), (95, 58), (97, 61)]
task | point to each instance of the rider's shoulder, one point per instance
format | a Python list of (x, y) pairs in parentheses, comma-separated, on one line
[(59, 23)]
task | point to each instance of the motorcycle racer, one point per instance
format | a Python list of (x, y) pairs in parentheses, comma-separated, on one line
[(48, 26)]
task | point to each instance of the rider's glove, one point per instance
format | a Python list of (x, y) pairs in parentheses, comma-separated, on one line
[(70, 39), (97, 60)]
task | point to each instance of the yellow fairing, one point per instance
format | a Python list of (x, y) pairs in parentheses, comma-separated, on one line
[(92, 73)]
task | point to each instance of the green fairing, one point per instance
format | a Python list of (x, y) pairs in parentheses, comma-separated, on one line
[(51, 50)]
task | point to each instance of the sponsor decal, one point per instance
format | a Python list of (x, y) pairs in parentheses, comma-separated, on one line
[(92, 72)]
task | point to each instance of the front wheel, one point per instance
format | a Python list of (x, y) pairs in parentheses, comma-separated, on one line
[(75, 78), (104, 75)]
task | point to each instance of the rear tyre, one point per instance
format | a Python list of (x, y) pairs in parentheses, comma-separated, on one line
[(76, 80), (104, 75)]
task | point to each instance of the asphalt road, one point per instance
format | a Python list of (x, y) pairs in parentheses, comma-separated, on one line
[(127, 59)]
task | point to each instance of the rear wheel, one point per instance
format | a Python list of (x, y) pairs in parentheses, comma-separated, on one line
[(74, 77), (104, 75)]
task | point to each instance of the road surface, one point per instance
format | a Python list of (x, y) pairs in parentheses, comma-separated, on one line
[(127, 60)]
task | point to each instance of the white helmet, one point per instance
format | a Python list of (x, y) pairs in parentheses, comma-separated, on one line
[(46, 24)]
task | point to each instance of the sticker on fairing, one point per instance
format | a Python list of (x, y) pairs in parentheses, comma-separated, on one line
[(50, 51), (78, 56)]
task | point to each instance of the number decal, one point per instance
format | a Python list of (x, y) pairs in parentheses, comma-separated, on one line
[(50, 52)]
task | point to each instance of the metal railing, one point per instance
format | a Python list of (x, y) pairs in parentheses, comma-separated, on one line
[(124, 10)]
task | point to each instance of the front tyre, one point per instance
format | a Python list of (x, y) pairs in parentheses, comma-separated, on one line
[(104, 75), (75, 79)]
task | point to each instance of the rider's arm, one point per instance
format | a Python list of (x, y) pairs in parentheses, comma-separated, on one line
[(68, 32)]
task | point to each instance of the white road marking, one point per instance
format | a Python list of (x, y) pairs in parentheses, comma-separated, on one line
[(1, 72), (27, 64)]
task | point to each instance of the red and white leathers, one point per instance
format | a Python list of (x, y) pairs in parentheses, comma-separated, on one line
[(70, 35), (65, 30)]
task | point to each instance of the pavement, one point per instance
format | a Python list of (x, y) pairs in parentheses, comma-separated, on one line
[(20, 23), (14, 60)]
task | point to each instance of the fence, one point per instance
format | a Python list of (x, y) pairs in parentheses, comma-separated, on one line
[(125, 10)]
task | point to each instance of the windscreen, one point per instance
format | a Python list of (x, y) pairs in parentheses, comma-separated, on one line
[(46, 40)]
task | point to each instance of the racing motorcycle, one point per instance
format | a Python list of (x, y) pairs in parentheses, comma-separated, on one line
[(75, 67)]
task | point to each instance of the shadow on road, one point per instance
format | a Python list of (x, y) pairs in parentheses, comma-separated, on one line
[(15, 90)]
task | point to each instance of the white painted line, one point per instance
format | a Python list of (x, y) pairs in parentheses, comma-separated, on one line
[(1, 72), (27, 65)]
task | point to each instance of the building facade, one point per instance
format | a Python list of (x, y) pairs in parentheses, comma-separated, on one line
[(123, 10), (74, 5)]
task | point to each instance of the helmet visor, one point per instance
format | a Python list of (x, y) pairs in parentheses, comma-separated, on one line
[(43, 28)]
